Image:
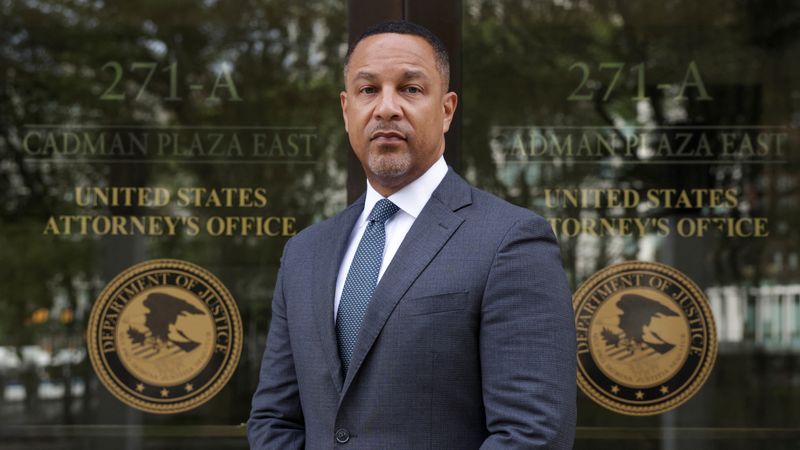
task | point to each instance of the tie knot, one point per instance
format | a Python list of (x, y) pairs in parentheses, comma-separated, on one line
[(382, 211)]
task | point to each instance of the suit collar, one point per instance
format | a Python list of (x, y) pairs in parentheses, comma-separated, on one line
[(453, 192)]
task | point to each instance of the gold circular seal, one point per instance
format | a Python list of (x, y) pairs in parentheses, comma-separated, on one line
[(646, 338), (164, 336)]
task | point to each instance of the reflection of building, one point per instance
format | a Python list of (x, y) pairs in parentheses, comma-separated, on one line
[(767, 316), (17, 365)]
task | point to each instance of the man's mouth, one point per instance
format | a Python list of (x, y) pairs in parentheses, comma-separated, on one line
[(387, 137)]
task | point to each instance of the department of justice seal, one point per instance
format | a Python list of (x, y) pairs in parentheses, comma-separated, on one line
[(646, 338), (164, 336)]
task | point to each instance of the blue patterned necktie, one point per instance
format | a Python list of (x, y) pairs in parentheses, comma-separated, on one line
[(361, 280)]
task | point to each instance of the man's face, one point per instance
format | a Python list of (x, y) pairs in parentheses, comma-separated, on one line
[(395, 109)]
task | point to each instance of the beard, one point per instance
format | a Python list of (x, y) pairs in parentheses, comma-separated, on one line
[(389, 164)]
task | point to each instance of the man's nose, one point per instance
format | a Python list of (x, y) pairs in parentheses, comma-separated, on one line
[(388, 108)]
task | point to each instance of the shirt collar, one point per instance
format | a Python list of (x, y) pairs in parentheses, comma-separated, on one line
[(412, 197)]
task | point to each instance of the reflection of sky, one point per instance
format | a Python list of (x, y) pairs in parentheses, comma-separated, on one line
[(648, 245), (9, 358), (159, 48)]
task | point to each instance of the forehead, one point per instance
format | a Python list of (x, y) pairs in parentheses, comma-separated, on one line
[(387, 51)]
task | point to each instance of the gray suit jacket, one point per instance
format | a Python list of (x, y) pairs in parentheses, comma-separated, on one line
[(468, 342)]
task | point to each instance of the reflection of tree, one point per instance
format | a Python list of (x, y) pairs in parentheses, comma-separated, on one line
[(285, 60), (517, 57)]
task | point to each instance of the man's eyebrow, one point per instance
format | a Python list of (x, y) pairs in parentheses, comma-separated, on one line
[(414, 74), (369, 76), (409, 74)]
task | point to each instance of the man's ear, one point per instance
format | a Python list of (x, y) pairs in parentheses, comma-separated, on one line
[(449, 103), (343, 99)]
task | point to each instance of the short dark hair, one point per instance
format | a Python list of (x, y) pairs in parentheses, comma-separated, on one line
[(406, 27)]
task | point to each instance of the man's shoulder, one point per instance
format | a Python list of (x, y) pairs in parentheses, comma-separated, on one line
[(488, 205), (486, 217), (502, 206), (323, 231)]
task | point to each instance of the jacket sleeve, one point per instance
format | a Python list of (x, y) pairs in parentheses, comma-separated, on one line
[(276, 417), (527, 344)]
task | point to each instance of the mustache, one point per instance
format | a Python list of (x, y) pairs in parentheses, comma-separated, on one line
[(385, 127)]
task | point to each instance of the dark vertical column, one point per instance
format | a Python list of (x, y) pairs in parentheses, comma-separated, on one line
[(443, 18)]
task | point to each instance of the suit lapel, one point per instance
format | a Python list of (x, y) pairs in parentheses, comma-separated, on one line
[(431, 230), (326, 270)]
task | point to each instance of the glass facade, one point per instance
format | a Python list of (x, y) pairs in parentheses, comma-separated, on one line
[(665, 132), (210, 132)]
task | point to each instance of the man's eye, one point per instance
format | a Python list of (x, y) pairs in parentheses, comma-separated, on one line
[(367, 90), (413, 90)]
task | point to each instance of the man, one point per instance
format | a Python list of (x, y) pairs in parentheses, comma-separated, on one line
[(428, 314)]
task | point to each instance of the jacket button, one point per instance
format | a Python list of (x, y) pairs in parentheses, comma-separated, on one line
[(342, 435)]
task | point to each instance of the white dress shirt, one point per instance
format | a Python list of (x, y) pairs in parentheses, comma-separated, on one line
[(410, 199)]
